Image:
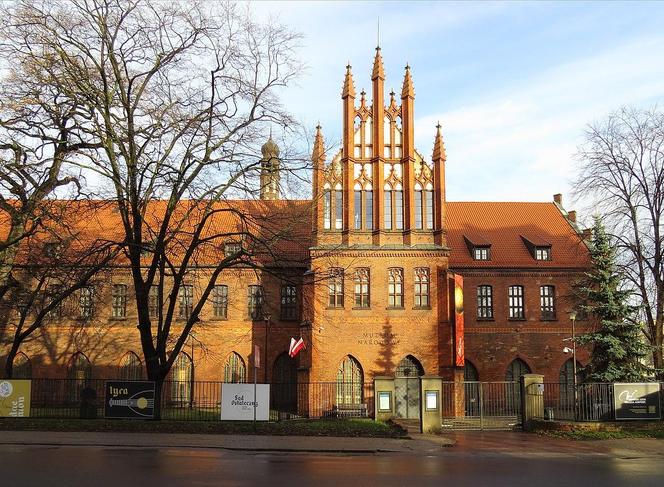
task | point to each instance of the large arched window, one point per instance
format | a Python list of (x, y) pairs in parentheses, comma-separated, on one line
[(130, 367), (516, 369), (79, 373), (409, 367), (234, 369), (181, 377), (470, 373), (283, 387), (566, 379), (350, 380), (22, 368)]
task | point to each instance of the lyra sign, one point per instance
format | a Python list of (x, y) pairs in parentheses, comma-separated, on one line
[(636, 401), (237, 402), (14, 398), (129, 399)]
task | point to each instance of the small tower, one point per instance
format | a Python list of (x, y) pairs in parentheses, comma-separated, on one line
[(270, 162)]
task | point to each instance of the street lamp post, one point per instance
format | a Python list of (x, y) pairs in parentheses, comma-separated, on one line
[(572, 317)]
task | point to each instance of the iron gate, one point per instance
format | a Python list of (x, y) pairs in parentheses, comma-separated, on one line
[(481, 405)]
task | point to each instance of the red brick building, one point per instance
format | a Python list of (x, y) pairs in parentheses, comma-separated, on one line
[(373, 293)]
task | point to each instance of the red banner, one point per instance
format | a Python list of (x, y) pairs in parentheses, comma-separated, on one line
[(458, 321)]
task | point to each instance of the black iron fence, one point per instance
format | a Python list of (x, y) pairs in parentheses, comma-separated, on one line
[(201, 400), (589, 402)]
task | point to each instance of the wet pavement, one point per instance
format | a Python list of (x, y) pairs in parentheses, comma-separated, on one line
[(478, 459)]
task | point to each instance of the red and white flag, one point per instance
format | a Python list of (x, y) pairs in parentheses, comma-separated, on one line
[(295, 346)]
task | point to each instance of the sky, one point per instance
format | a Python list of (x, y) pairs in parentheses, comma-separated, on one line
[(513, 84)]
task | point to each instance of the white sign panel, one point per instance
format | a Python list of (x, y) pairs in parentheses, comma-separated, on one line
[(237, 402)]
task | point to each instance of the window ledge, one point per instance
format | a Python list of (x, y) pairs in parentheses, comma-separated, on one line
[(398, 308), (217, 318), (365, 308), (422, 307), (118, 318), (485, 319), (517, 319), (334, 307)]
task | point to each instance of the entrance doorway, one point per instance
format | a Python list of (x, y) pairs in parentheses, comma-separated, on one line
[(407, 388)]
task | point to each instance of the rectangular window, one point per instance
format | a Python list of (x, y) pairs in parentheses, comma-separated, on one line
[(357, 210), (395, 288), (515, 302), (119, 296), (368, 209), (153, 301), (481, 253), (484, 302), (547, 302), (255, 302), (288, 302), (398, 209), (543, 253), (418, 210), (327, 209), (388, 210), (220, 301), (85, 302), (428, 209), (362, 289), (336, 288), (231, 249), (186, 295), (421, 287), (338, 209)]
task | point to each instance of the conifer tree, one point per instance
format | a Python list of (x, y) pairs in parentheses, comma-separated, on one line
[(617, 344)]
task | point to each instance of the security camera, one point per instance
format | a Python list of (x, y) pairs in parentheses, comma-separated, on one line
[(567, 350)]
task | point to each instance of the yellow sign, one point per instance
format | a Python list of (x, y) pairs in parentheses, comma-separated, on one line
[(14, 398)]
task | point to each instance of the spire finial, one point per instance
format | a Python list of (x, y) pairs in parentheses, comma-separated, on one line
[(407, 89), (349, 87), (438, 145), (378, 69)]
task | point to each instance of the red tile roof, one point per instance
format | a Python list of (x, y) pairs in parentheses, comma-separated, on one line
[(503, 224)]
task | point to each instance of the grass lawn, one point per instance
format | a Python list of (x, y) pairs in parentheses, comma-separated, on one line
[(605, 435), (300, 427)]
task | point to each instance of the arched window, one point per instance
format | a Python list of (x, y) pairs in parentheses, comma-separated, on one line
[(409, 367), (79, 373), (516, 369), (131, 367), (234, 369), (387, 197), (470, 373), (22, 368), (327, 207), (283, 387), (566, 379), (419, 217), (181, 376), (350, 380), (338, 207)]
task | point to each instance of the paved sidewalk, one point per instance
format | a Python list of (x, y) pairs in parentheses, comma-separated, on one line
[(419, 444)]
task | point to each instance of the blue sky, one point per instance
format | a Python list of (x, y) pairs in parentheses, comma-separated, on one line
[(513, 84)]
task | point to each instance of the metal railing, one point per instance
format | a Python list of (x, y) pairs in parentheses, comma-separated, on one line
[(201, 400), (481, 405), (592, 401)]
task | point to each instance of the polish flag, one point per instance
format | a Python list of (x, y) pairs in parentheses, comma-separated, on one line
[(295, 347)]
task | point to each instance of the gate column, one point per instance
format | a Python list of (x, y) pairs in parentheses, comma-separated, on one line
[(431, 418), (383, 398)]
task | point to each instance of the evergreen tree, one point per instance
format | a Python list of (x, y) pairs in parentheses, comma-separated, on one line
[(618, 350)]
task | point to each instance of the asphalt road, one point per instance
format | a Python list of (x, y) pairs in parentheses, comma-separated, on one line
[(466, 464)]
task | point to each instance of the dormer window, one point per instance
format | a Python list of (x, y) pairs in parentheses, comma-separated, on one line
[(538, 246), (231, 249), (542, 253), (481, 253), (478, 246)]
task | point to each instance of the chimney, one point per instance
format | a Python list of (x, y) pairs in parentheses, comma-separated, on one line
[(571, 216), (558, 199), (587, 234)]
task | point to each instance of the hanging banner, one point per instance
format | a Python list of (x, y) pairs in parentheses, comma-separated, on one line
[(129, 399), (458, 321), (636, 401), (15, 398)]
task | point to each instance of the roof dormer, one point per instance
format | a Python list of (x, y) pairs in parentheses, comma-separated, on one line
[(478, 246), (539, 248)]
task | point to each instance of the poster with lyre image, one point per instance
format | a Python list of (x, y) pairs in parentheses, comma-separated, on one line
[(14, 398), (129, 399)]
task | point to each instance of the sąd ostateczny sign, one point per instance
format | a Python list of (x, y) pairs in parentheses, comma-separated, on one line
[(129, 399), (636, 401)]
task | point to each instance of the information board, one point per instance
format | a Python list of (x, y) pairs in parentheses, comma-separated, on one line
[(15, 398), (129, 399), (636, 401), (237, 402)]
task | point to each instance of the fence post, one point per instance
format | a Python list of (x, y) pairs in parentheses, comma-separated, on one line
[(532, 398)]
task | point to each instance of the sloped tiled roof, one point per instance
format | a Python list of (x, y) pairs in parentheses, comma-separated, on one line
[(503, 224)]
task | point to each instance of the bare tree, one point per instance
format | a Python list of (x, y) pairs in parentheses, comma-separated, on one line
[(622, 171), (51, 264), (178, 96)]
